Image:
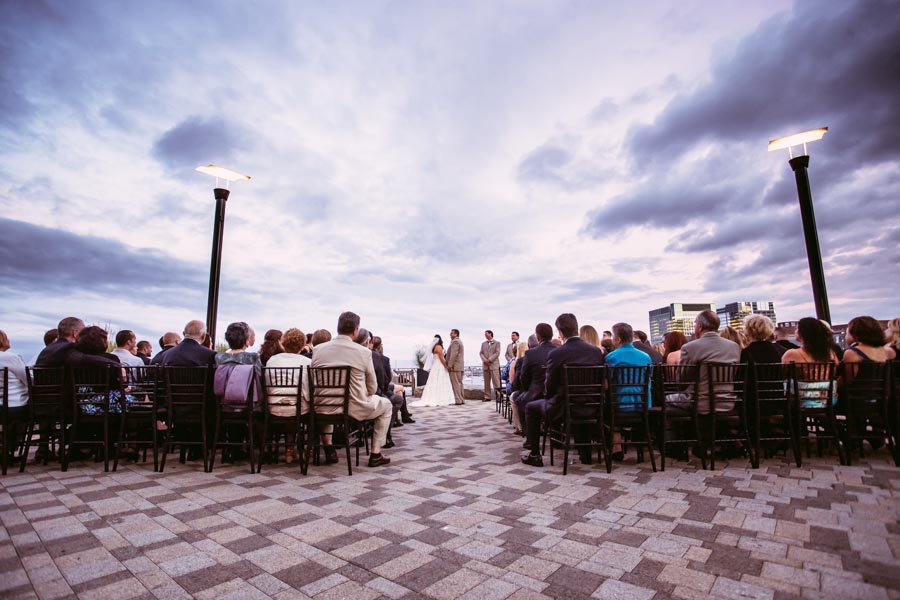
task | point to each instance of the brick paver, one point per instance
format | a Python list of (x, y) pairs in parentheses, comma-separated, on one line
[(454, 516)]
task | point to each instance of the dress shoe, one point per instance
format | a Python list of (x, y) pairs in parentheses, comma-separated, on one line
[(377, 461), (331, 456), (617, 456), (533, 460), (397, 424), (388, 444), (408, 420)]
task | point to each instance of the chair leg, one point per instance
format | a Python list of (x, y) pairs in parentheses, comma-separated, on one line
[(649, 440), (215, 444)]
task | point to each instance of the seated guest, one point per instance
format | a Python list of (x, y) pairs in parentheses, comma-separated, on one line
[(190, 352), (626, 355), (758, 329), (707, 346), (533, 371), (126, 349), (54, 354), (91, 352), (168, 341), (394, 392), (892, 334), (283, 404), (237, 376), (364, 402), (239, 337), (144, 349), (606, 344), (673, 341), (49, 337), (307, 348), (320, 336), (590, 335), (574, 351), (815, 347), (782, 338), (835, 347), (271, 345), (730, 333), (367, 340), (641, 344), (866, 344), (17, 393)]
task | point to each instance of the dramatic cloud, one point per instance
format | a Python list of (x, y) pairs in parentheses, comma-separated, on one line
[(198, 140)]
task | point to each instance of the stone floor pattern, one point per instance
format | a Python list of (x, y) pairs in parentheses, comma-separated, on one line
[(454, 516)]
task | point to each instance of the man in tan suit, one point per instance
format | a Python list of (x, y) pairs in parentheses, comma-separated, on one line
[(490, 364), (342, 351), (456, 363)]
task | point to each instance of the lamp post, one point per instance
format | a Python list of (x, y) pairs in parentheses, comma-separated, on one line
[(215, 264), (800, 165)]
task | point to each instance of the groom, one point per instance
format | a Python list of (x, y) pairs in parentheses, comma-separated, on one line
[(456, 363)]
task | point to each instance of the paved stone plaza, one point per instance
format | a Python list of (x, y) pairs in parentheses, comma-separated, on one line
[(454, 516)]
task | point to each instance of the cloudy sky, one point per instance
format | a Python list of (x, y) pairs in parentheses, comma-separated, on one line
[(433, 165)]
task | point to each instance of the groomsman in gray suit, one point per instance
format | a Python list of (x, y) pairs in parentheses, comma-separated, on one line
[(490, 364), (456, 363)]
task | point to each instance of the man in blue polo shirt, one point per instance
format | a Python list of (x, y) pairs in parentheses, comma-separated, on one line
[(626, 355)]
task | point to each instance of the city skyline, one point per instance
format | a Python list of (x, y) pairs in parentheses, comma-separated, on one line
[(432, 166)]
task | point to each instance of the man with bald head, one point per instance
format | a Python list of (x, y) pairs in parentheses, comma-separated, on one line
[(191, 352), (169, 340)]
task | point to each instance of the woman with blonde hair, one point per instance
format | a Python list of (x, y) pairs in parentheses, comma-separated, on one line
[(892, 333), (590, 335), (730, 333), (758, 329)]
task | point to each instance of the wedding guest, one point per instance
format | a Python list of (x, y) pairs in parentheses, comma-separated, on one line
[(892, 334), (91, 352), (606, 345), (520, 354), (17, 393), (607, 335), (782, 338), (169, 340), (49, 337), (625, 355), (574, 351), (730, 333), (392, 388), (758, 329), (144, 350), (271, 345), (590, 335), (282, 403), (364, 403), (320, 336), (640, 342), (191, 352), (834, 345), (815, 347), (533, 373), (866, 343), (383, 380), (673, 341), (55, 353), (490, 365), (239, 336), (126, 349)]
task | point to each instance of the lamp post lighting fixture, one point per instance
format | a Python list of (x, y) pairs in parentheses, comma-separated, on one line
[(215, 266), (800, 165)]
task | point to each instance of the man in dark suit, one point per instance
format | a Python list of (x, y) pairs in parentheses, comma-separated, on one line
[(574, 351), (384, 382), (190, 352), (54, 354), (144, 348), (530, 375), (641, 344), (169, 340)]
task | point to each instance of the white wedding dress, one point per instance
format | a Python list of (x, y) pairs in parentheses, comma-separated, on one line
[(438, 391)]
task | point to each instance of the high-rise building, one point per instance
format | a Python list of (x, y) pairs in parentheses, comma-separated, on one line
[(675, 317), (733, 313)]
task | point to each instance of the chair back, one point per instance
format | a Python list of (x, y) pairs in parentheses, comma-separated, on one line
[(583, 394), (187, 389), (727, 384), (91, 388), (329, 390), (813, 384), (406, 377), (675, 386), (46, 390), (143, 386), (629, 388), (868, 389), (282, 386)]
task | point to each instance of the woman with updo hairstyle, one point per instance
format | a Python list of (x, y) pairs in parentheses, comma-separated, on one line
[(282, 402), (239, 337), (91, 346), (673, 341), (271, 345), (758, 329)]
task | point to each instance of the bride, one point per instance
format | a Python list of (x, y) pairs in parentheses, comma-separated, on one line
[(438, 391)]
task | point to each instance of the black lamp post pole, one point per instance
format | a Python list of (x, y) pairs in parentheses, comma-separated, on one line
[(215, 265), (800, 164)]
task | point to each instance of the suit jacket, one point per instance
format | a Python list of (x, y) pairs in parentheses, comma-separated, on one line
[(762, 352), (189, 353), (388, 372), (456, 355), (709, 347), (381, 377), (574, 352), (490, 353), (511, 351), (655, 356), (344, 352), (533, 371), (157, 358), (54, 354)]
